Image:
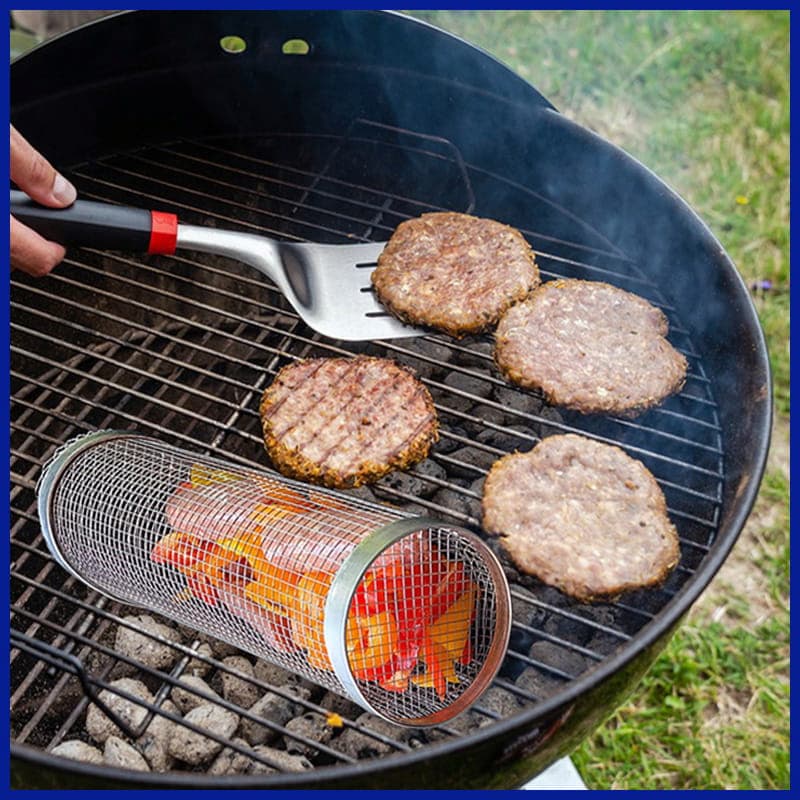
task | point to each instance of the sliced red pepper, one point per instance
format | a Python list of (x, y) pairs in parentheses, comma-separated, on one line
[(466, 654), (202, 587), (308, 616), (276, 628), (435, 658), (403, 586)]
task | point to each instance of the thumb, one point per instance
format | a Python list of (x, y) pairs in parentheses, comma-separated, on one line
[(32, 172)]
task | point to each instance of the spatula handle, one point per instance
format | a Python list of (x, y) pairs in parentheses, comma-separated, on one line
[(105, 226)]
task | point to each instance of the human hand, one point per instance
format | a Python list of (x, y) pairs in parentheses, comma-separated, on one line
[(31, 252)]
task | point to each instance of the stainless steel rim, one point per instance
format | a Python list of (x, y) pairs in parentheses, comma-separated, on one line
[(346, 582)]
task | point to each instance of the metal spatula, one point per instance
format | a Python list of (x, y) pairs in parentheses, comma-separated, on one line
[(328, 284)]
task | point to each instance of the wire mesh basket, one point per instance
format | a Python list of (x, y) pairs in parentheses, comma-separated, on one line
[(406, 615)]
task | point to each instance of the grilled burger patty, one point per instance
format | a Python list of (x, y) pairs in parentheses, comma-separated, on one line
[(582, 516), (591, 347), (343, 422), (454, 272)]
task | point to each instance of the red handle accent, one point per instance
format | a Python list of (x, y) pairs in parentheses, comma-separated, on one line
[(163, 232)]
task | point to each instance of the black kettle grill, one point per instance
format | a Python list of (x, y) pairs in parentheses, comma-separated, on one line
[(334, 126)]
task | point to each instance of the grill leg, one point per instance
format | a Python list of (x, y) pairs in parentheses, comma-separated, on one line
[(561, 775)]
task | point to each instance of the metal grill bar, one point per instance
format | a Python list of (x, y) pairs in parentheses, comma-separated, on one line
[(196, 176), (273, 232), (484, 401), (540, 633), (252, 413), (38, 549), (443, 387), (390, 490), (691, 377), (136, 421), (346, 188), (172, 679), (248, 388)]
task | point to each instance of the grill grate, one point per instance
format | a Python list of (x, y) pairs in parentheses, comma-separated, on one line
[(181, 347)]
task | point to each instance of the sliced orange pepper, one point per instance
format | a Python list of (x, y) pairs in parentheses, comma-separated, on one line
[(278, 630), (247, 545), (271, 585), (466, 653), (447, 641), (222, 566), (317, 654), (438, 667), (202, 587), (274, 588), (308, 614), (370, 642)]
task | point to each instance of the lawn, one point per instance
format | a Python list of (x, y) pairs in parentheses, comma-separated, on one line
[(702, 98)]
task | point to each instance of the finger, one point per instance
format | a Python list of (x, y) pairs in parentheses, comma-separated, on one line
[(31, 253), (33, 173)]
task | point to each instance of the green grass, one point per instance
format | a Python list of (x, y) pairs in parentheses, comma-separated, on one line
[(702, 98), (686, 728)]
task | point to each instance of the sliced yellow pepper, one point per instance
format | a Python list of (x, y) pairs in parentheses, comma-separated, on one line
[(452, 628), (201, 475)]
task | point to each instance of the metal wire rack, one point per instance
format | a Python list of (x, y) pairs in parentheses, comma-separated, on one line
[(181, 348)]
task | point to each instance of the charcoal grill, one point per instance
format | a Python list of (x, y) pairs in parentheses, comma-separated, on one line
[(376, 119)]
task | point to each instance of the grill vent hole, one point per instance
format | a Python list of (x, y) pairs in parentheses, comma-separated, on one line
[(295, 47), (233, 44)]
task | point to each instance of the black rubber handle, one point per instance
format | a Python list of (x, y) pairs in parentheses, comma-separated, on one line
[(86, 223)]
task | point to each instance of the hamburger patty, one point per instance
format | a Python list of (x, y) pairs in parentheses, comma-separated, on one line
[(343, 422), (591, 347), (582, 516), (454, 272)]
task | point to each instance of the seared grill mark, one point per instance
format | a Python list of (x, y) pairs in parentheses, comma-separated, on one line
[(359, 404), (348, 421), (295, 378), (306, 389)]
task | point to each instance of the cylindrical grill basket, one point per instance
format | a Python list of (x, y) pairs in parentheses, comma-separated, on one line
[(407, 616)]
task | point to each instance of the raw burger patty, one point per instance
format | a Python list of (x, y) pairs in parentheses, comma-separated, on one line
[(343, 422), (591, 347), (582, 516), (454, 272)]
